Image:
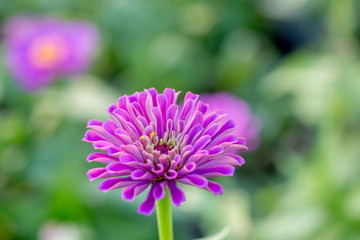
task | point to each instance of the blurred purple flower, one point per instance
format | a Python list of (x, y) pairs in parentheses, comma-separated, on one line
[(247, 125), (151, 141), (37, 50)]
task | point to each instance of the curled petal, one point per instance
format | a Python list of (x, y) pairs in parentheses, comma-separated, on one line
[(140, 175), (238, 158), (103, 145), (94, 123), (148, 205), (214, 187), (177, 195), (192, 96), (171, 174), (194, 180), (97, 173), (113, 183), (187, 168), (202, 107), (101, 157), (92, 136), (159, 171), (159, 190), (130, 192)]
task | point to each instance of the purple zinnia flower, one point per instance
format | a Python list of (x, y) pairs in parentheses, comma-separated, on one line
[(37, 50), (151, 141), (247, 125)]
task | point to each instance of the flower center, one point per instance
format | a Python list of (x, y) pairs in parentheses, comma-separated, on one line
[(164, 148), (47, 51)]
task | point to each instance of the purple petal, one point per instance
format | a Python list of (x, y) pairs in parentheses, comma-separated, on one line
[(186, 109), (92, 136), (97, 173), (187, 168), (103, 145), (201, 143), (159, 190), (101, 157), (134, 151), (170, 95), (238, 158), (216, 150), (111, 108), (196, 157), (159, 171), (194, 180), (202, 107), (227, 138), (229, 125), (159, 125), (212, 129), (124, 138), (217, 161), (94, 123), (153, 94), (143, 96), (210, 119), (134, 97), (215, 171), (197, 120), (122, 102), (137, 108), (177, 195), (123, 113), (190, 95), (148, 205), (110, 126), (113, 183), (162, 103), (194, 133), (172, 111), (130, 192), (141, 175), (171, 175), (119, 167), (214, 187)]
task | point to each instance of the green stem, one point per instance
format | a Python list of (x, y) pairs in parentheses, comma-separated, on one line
[(164, 219)]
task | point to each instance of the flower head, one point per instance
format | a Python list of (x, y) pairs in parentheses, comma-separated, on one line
[(37, 50), (152, 142), (247, 125)]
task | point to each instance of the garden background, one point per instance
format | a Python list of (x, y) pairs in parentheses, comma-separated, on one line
[(295, 62)]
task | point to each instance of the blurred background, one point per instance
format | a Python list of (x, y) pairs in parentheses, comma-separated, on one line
[(296, 63)]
